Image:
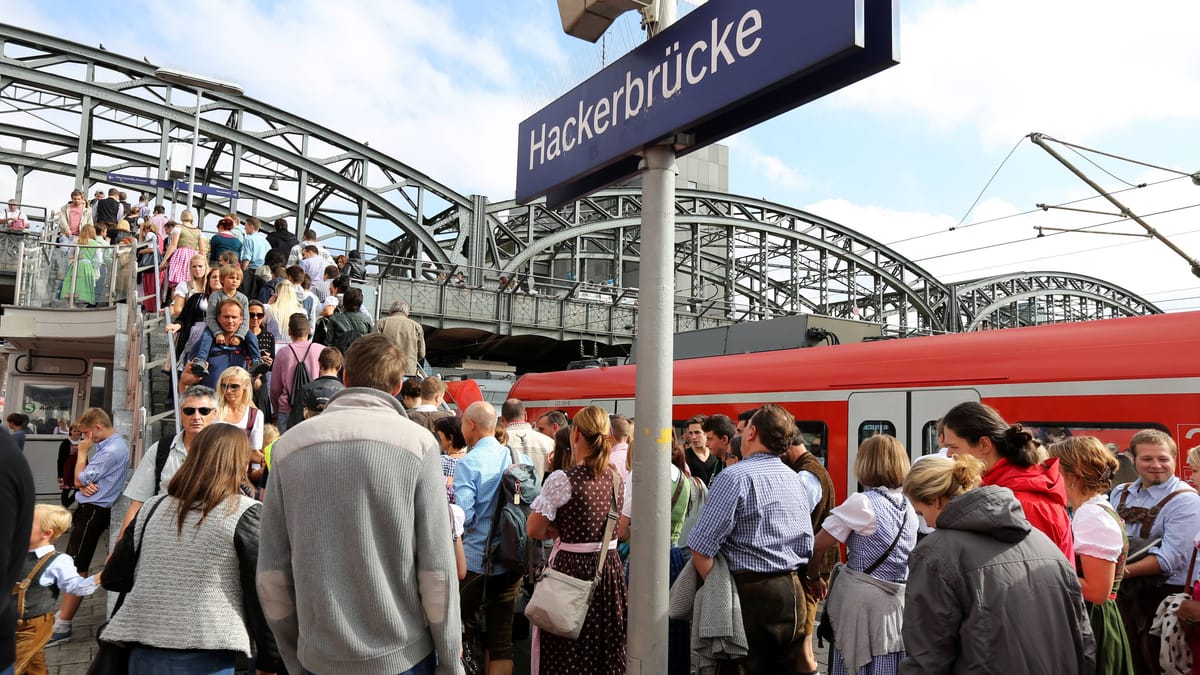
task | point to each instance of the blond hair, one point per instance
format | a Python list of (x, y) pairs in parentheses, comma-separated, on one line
[(882, 462), (245, 398), (270, 434), (53, 519), (93, 416), (943, 477), (593, 427)]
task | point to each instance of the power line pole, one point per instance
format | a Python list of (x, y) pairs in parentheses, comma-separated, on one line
[(1041, 141)]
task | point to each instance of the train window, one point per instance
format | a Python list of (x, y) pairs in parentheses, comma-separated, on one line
[(871, 428), (1117, 433), (814, 434), (929, 439)]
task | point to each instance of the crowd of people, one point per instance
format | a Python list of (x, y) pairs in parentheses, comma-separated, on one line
[(998, 554)]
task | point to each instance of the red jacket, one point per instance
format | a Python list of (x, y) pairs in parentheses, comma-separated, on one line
[(1043, 496)]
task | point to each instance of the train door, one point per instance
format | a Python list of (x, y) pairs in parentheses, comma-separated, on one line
[(910, 416)]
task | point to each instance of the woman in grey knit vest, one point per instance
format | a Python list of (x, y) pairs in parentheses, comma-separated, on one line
[(193, 606)]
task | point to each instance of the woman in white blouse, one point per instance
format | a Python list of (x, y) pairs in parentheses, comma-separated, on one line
[(866, 596), (1100, 545), (235, 405)]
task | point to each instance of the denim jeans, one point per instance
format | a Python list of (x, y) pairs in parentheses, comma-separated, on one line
[(151, 661), (427, 666)]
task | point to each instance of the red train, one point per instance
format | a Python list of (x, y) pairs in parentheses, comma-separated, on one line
[(1103, 378)]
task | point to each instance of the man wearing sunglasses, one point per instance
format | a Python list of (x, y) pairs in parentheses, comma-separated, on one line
[(197, 409)]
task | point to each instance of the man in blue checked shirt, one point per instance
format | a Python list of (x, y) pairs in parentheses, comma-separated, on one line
[(757, 517), (100, 473)]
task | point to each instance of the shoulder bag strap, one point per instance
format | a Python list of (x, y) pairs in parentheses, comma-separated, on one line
[(609, 526), (892, 547), (678, 490), (20, 588), (137, 551)]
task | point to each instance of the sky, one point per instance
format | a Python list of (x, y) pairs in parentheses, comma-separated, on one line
[(934, 143)]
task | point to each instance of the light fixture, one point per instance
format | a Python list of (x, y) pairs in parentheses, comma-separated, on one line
[(274, 187), (1196, 178), (199, 84)]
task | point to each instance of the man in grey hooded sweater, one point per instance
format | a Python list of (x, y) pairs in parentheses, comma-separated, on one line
[(356, 569)]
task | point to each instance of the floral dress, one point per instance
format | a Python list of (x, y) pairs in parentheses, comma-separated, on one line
[(578, 505)]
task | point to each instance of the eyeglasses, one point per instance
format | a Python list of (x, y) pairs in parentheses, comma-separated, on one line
[(257, 315), (203, 411), (234, 386)]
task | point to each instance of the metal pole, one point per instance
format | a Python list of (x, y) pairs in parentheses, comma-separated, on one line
[(1040, 140), (650, 555), (192, 164)]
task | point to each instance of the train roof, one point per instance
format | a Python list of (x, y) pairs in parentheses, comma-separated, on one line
[(1156, 346)]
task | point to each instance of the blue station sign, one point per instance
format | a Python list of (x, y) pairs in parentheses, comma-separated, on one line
[(724, 67), (168, 184)]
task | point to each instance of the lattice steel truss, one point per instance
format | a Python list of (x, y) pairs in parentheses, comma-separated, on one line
[(1030, 298), (74, 110), (81, 111)]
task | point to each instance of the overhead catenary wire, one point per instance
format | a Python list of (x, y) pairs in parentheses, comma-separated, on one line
[(1031, 211), (1055, 234), (975, 270)]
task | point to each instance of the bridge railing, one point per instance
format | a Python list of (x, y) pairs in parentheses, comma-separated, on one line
[(526, 303), (71, 275)]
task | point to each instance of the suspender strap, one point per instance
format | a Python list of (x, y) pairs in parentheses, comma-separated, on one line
[(22, 586)]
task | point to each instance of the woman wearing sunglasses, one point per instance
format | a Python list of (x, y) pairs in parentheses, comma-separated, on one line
[(235, 405)]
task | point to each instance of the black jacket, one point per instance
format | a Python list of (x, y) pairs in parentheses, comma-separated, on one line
[(16, 503), (283, 241)]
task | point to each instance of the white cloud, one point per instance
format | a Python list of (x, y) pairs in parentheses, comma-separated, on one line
[(1009, 67), (422, 81), (771, 168)]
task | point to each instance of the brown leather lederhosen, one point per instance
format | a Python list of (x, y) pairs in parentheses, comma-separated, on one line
[(1139, 597)]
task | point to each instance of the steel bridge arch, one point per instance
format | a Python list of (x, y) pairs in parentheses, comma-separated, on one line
[(1064, 296), (802, 261), (55, 80)]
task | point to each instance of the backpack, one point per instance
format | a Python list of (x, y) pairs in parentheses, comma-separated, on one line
[(300, 377), (507, 542), (161, 452)]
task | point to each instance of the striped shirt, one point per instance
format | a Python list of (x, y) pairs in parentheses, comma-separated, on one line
[(758, 515)]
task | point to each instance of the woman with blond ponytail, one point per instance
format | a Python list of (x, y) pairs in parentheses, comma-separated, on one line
[(573, 508), (987, 592)]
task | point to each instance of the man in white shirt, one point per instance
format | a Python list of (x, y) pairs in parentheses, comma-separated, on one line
[(197, 409)]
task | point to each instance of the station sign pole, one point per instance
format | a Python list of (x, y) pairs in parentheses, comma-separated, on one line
[(649, 569)]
